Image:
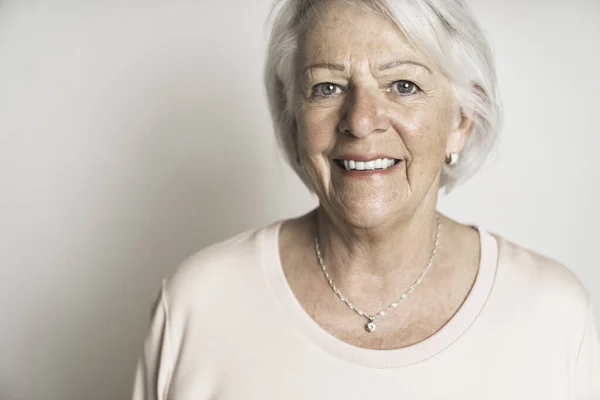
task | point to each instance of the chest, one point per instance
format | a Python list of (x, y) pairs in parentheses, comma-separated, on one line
[(395, 330)]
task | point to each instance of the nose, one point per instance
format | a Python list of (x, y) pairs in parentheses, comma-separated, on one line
[(364, 113)]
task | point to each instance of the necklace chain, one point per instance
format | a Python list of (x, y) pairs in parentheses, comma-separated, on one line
[(371, 317)]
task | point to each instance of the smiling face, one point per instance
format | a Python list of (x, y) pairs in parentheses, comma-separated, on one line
[(375, 118)]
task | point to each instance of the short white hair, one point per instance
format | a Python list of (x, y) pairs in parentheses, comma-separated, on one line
[(445, 31)]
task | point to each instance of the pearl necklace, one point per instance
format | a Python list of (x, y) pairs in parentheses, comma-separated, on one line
[(370, 326)]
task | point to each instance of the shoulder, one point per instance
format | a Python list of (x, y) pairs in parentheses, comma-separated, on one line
[(540, 284), (220, 266), (539, 270)]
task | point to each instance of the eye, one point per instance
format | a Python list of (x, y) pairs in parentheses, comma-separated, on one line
[(326, 89), (406, 88)]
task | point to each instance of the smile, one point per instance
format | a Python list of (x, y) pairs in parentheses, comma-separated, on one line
[(372, 165)]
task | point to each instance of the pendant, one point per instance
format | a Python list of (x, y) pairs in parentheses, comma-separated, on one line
[(371, 326)]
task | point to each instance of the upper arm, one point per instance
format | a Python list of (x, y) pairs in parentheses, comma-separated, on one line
[(587, 367), (155, 365)]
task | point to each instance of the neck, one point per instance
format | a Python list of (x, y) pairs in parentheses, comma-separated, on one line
[(382, 256)]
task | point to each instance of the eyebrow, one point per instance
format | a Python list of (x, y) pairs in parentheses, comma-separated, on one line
[(382, 67), (398, 63), (335, 67)]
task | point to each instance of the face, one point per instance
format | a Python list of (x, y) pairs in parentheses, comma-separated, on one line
[(375, 118)]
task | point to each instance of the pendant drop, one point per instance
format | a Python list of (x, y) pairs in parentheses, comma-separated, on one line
[(371, 326)]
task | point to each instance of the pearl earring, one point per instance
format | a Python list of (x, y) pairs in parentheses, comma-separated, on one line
[(452, 158)]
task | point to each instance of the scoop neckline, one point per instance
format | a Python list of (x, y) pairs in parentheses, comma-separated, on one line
[(394, 358)]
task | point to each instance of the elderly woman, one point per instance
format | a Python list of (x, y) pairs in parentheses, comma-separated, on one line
[(377, 104)]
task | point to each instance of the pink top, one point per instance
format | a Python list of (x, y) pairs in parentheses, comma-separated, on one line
[(227, 326)]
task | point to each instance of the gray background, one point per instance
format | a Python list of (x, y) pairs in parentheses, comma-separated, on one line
[(133, 133)]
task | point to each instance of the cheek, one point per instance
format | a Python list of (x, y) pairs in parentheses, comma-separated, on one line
[(316, 130), (424, 129)]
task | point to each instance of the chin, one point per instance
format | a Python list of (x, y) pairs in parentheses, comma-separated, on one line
[(366, 221), (370, 213)]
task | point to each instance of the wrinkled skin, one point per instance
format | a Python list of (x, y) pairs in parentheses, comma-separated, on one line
[(368, 111)]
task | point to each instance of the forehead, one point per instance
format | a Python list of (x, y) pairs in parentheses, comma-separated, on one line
[(343, 31)]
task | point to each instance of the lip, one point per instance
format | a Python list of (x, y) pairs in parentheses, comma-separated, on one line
[(364, 157)]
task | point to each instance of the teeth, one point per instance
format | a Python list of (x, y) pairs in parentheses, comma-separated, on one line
[(381, 163)]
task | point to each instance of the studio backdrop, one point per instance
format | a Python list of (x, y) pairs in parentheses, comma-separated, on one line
[(133, 133)]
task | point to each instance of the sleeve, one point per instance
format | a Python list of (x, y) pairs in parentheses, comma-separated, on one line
[(587, 367), (155, 365)]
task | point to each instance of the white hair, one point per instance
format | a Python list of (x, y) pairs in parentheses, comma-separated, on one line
[(445, 31)]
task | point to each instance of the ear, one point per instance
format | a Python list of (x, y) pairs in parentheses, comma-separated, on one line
[(460, 133)]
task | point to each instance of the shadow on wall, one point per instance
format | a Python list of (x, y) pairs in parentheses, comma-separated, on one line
[(194, 179), (191, 177)]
